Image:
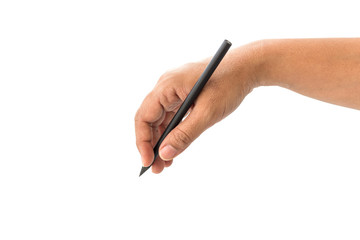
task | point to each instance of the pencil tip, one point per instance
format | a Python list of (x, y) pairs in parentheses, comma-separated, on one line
[(143, 169)]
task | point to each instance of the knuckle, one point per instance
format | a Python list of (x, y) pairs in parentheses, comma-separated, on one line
[(166, 77), (161, 89), (171, 77), (182, 138)]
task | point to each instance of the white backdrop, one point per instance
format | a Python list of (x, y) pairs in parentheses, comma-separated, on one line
[(72, 75)]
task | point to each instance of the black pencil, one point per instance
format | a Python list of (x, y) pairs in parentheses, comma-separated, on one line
[(194, 93)]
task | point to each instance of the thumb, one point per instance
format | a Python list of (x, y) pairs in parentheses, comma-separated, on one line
[(184, 134)]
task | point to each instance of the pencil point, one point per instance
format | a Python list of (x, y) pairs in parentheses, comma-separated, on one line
[(143, 169)]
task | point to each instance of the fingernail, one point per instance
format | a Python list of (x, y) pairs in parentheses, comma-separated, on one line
[(168, 152)]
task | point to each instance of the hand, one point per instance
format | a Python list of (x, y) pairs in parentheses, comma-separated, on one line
[(233, 79)]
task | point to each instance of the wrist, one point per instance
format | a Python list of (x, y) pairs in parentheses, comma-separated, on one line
[(267, 73), (250, 64), (261, 56)]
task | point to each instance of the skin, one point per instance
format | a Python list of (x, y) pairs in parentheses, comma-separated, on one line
[(324, 69)]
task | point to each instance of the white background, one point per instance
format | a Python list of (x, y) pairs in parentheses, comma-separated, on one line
[(72, 75)]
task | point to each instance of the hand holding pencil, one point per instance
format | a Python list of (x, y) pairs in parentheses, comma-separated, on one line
[(167, 100), (324, 69), (190, 99)]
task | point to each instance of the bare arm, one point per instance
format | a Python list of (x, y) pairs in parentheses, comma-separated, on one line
[(325, 69)]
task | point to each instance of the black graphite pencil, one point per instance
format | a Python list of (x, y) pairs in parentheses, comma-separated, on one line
[(194, 93)]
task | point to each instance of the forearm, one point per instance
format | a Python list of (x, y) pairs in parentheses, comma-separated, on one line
[(325, 69)]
